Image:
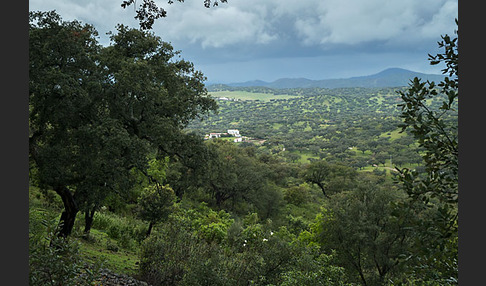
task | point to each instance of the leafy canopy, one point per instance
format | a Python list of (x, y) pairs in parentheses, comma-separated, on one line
[(97, 113), (434, 193)]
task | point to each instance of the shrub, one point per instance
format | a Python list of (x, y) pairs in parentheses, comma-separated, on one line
[(249, 254), (184, 252), (127, 231), (211, 225), (164, 256), (296, 195), (111, 246), (102, 221), (139, 233), (126, 241), (114, 231), (54, 260)]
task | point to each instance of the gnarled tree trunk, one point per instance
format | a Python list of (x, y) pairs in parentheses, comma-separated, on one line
[(88, 220), (149, 229), (68, 216)]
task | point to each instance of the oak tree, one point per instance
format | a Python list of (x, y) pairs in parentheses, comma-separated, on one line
[(97, 113)]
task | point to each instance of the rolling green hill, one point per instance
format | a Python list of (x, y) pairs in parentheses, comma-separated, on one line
[(392, 77), (356, 126)]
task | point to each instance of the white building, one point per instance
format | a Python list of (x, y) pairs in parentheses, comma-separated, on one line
[(234, 132), (214, 135)]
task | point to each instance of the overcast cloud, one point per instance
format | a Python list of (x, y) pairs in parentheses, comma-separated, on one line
[(269, 39)]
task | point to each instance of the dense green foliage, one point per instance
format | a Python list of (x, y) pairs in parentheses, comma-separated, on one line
[(434, 193), (54, 260), (246, 252), (317, 199), (359, 225), (96, 114), (155, 204)]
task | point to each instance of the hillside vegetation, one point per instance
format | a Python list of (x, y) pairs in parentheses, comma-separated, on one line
[(354, 126), (345, 186)]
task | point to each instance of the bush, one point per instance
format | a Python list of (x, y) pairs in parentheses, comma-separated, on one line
[(102, 221), (54, 260), (126, 231), (164, 256), (126, 241), (210, 225), (249, 253), (296, 195), (206, 271), (313, 268), (114, 231), (111, 246)]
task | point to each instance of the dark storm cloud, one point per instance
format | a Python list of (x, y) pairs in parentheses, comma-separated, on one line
[(296, 38)]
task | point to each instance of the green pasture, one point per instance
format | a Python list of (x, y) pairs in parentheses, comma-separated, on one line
[(244, 95), (304, 156), (395, 134)]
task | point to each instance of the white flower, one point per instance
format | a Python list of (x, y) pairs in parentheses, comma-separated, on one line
[(265, 239), (271, 232)]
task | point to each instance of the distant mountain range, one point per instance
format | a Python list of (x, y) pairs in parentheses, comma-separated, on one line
[(392, 77)]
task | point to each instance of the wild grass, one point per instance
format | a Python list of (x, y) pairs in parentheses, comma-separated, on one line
[(114, 240), (100, 247)]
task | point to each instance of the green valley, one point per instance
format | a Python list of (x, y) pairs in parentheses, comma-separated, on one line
[(139, 174)]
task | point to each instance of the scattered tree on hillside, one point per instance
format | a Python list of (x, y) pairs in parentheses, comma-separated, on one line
[(358, 225), (317, 173), (232, 174), (155, 203), (331, 178)]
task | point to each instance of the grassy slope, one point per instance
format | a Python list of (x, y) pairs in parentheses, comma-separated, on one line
[(97, 247), (120, 261)]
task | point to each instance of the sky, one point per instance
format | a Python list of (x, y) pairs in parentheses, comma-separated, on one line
[(245, 40)]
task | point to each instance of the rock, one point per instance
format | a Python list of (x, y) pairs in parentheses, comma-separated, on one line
[(109, 278)]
